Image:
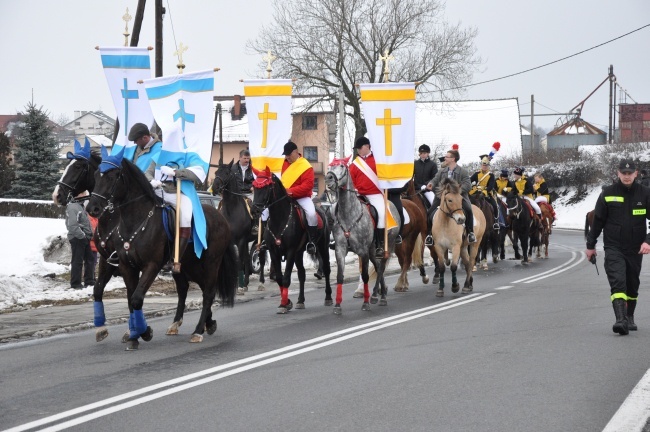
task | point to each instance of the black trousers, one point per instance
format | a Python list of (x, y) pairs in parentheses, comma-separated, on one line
[(82, 261), (623, 270)]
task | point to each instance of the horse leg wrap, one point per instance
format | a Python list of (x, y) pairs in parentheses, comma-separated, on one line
[(132, 333), (139, 322), (284, 295), (339, 294), (100, 318), (366, 293)]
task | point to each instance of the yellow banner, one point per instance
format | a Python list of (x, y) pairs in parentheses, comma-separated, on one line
[(387, 95), (395, 171), (270, 90)]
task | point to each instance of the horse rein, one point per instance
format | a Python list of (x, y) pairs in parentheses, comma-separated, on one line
[(513, 209), (70, 197)]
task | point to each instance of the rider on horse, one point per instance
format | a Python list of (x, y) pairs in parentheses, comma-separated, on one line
[(147, 146), (484, 181), (503, 182), (363, 172), (424, 169), (460, 175), (542, 193), (298, 179), (525, 187)]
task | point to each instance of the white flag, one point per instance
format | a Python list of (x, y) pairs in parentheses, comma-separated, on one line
[(268, 104), (124, 67), (389, 111)]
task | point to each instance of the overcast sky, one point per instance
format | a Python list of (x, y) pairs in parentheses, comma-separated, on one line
[(48, 47)]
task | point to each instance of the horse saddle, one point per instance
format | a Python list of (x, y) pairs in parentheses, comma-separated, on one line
[(549, 207), (530, 209), (371, 209), (302, 217)]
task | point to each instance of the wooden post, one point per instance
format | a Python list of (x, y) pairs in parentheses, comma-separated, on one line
[(259, 233)]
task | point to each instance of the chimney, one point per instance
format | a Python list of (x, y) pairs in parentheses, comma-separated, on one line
[(77, 114), (237, 106)]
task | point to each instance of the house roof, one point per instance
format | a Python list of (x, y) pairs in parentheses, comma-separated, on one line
[(5, 119), (576, 126), (99, 114)]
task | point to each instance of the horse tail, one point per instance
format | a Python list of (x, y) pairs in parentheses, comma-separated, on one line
[(227, 277), (417, 252)]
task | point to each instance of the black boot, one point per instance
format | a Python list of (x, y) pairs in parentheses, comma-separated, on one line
[(620, 326), (379, 242), (469, 221), (631, 305), (312, 233), (428, 241)]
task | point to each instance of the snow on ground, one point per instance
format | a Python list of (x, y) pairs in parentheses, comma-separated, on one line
[(23, 267)]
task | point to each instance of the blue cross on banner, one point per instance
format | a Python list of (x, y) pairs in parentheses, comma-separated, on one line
[(127, 94)]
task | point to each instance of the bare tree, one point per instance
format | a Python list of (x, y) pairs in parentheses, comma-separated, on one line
[(331, 44), (62, 119)]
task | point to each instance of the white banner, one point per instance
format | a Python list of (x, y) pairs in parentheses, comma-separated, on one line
[(268, 104), (124, 67), (389, 112), (182, 106)]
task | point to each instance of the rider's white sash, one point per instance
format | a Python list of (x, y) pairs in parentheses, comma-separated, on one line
[(363, 166)]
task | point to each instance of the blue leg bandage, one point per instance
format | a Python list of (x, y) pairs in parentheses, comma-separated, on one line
[(132, 333), (100, 318), (139, 322)]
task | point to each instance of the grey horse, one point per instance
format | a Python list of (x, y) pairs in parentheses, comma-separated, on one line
[(353, 230)]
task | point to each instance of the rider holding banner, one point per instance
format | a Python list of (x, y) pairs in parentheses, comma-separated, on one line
[(298, 180)]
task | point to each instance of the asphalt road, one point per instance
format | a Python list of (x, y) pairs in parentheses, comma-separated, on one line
[(530, 350)]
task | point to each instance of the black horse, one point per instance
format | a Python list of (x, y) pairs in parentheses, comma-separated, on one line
[(79, 176), (143, 248), (234, 208), (490, 240), (524, 228), (286, 237)]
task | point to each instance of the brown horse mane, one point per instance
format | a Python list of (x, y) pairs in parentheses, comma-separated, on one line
[(448, 186)]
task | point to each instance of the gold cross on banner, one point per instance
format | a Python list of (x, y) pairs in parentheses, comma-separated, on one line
[(265, 116), (387, 122)]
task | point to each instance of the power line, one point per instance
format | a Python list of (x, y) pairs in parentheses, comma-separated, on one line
[(544, 65)]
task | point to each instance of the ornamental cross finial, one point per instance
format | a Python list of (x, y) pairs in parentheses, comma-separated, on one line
[(126, 18), (268, 58), (179, 53), (385, 59)]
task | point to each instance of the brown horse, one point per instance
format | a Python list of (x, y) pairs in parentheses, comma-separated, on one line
[(547, 221), (589, 221), (448, 233), (410, 250), (491, 235), (418, 199)]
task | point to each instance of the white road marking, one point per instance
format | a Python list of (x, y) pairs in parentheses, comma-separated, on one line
[(635, 411), (170, 387), (503, 287), (553, 271)]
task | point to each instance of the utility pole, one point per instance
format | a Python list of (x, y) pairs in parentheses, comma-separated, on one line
[(611, 108), (160, 12), (219, 111), (341, 122), (532, 123)]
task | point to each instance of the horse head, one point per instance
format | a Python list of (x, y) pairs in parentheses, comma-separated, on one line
[(338, 174), (451, 200), (223, 178), (110, 186), (78, 176), (263, 191), (514, 204)]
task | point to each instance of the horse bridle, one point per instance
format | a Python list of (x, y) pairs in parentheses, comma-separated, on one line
[(223, 184), (513, 209), (110, 206), (70, 196), (449, 213)]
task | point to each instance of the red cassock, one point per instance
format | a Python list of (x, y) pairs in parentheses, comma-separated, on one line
[(303, 186), (362, 183)]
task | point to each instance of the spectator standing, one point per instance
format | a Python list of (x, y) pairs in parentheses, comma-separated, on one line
[(79, 234)]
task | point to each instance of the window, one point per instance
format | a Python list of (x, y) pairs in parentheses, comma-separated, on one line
[(310, 153), (309, 122), (77, 123)]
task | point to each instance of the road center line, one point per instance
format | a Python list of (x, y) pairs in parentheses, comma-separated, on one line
[(554, 269), (275, 355), (635, 411)]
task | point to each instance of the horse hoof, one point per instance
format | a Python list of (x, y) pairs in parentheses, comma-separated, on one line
[(196, 338), (455, 288), (365, 306), (400, 289), (101, 333), (495, 259), (374, 299), (474, 268), (485, 267), (524, 262), (530, 260), (211, 327), (261, 287), (425, 280), (329, 302), (337, 310), (125, 337), (383, 302), (440, 293), (435, 280), (467, 290), (147, 335), (132, 345), (282, 310), (357, 295)]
